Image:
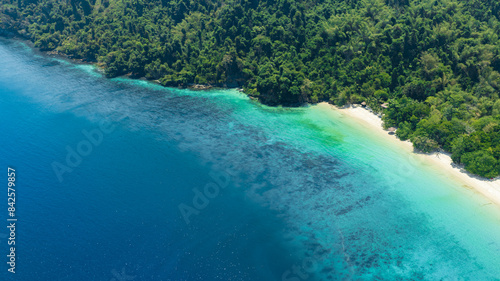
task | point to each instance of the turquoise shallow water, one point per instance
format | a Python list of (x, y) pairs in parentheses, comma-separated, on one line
[(303, 193)]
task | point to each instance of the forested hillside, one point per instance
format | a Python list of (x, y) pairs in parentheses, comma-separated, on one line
[(436, 63)]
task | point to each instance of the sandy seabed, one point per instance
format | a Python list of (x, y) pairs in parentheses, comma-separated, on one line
[(441, 161)]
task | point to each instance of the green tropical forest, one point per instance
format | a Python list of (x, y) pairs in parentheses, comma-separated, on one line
[(435, 63)]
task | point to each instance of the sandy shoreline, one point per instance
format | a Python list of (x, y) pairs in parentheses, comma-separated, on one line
[(443, 162)]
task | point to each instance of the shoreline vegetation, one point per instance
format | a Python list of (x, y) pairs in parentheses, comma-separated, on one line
[(363, 115), (490, 188), (431, 67)]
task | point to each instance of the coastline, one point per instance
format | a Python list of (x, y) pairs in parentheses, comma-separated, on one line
[(9, 35), (441, 161)]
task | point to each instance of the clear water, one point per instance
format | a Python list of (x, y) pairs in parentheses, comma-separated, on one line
[(295, 194)]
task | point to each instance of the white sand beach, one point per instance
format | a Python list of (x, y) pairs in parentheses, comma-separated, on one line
[(442, 161)]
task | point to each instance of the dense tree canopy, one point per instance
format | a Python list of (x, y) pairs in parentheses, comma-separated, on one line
[(435, 63)]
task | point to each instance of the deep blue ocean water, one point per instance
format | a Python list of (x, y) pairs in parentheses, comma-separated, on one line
[(295, 194)]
